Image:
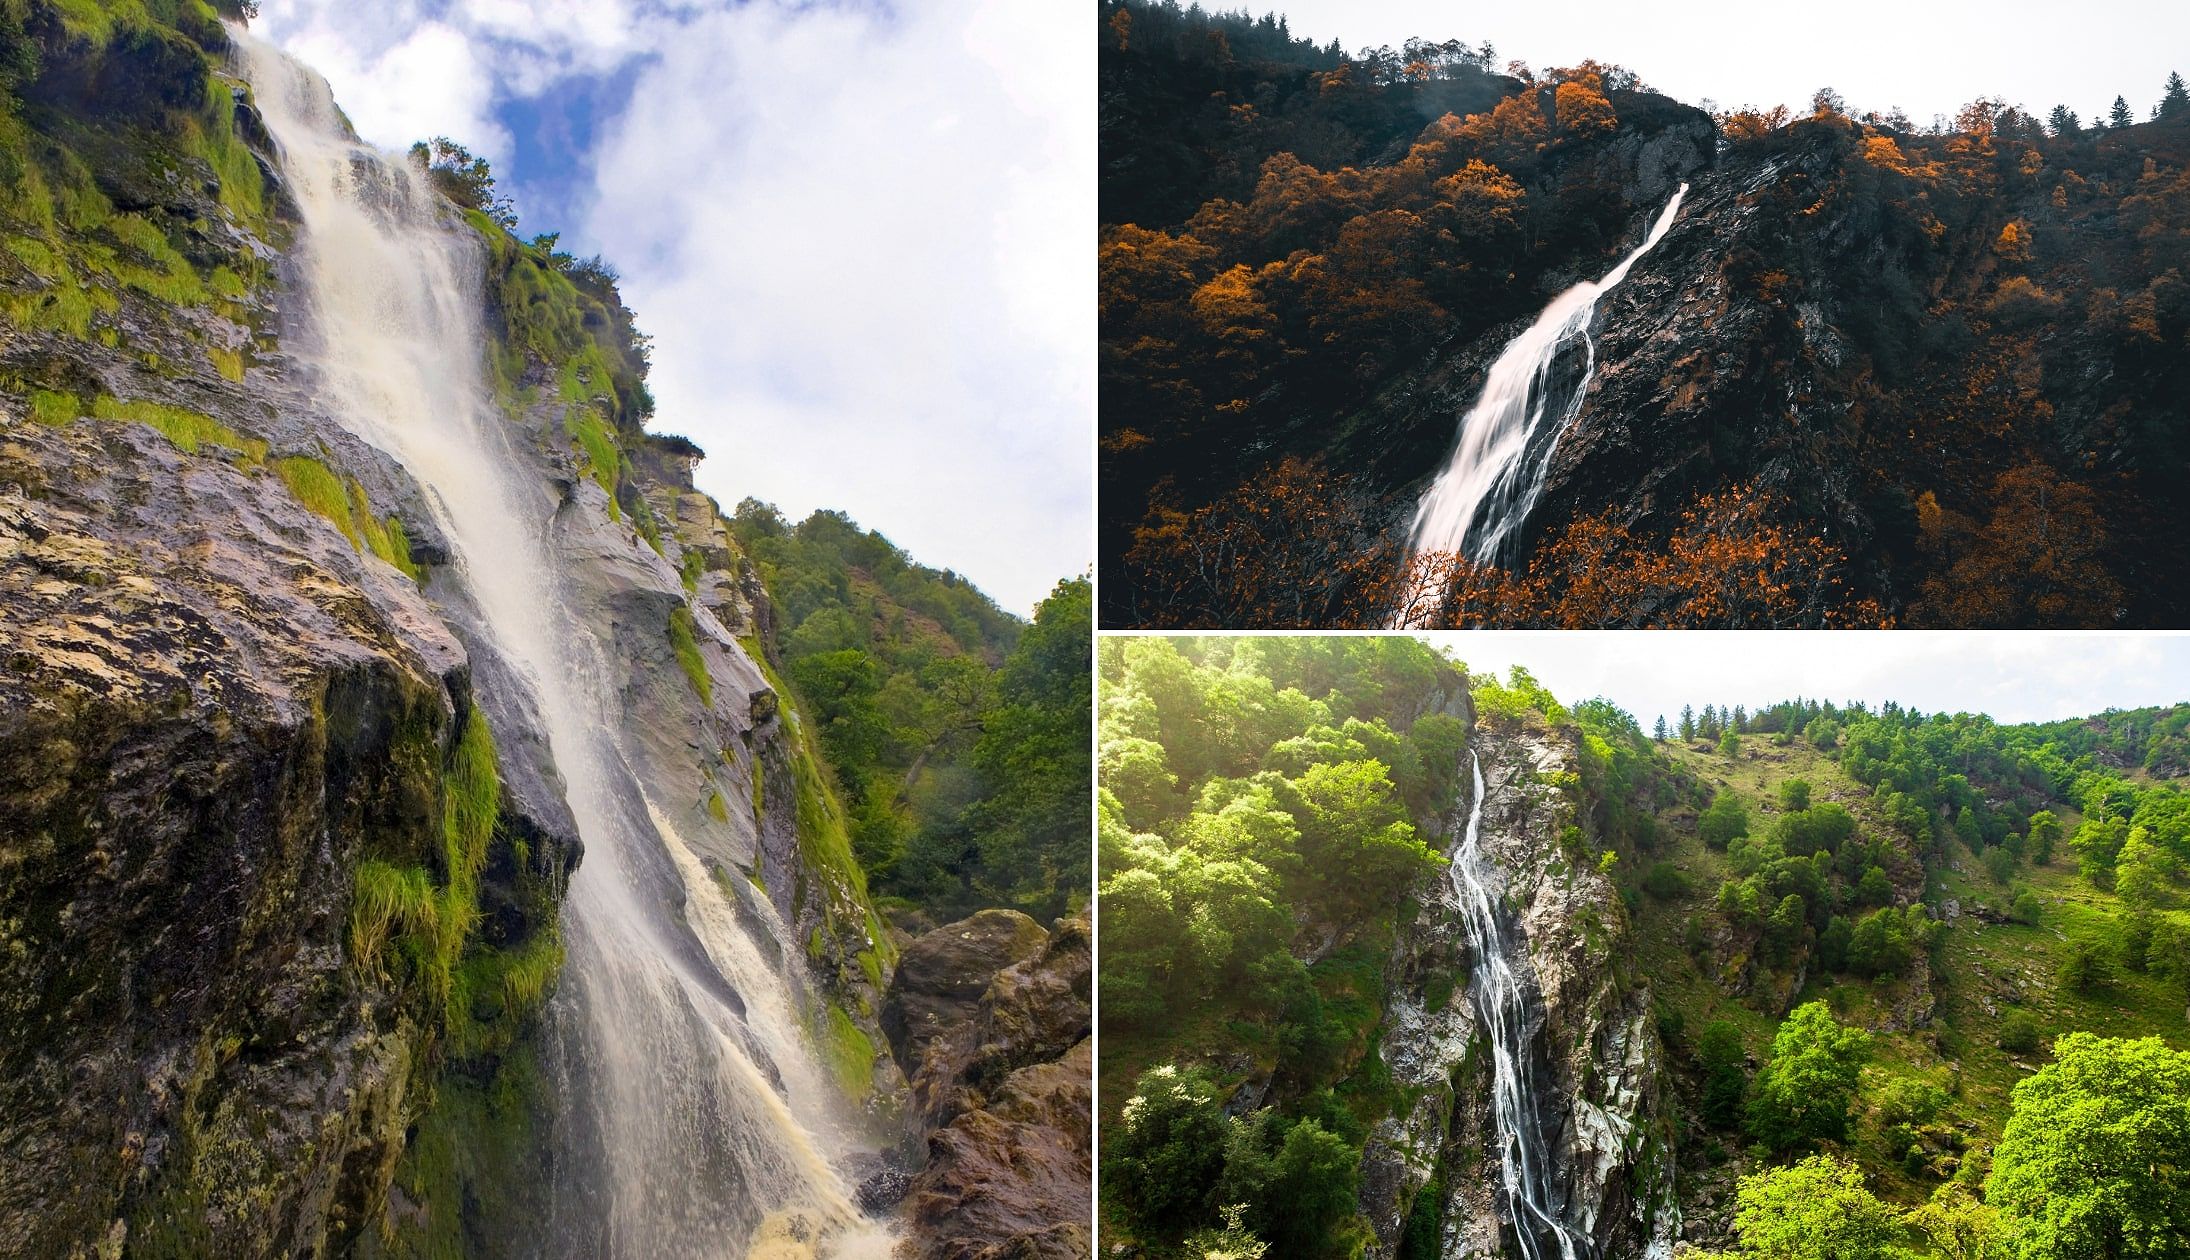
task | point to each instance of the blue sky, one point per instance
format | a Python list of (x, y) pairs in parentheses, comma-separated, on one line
[(2015, 676), (854, 231)]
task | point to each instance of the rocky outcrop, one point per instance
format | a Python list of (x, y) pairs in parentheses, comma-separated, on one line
[(212, 709), (1607, 1121), (990, 1019)]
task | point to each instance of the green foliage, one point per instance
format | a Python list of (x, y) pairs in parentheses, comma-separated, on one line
[(53, 407), (1722, 820), (681, 638), (1519, 698), (1817, 1209), (1723, 1060), (957, 734), (2095, 1160), (2019, 1032), (1794, 795), (187, 429), (1161, 1169), (1805, 1092)]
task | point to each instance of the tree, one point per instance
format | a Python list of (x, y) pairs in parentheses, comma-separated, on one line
[(2120, 116), (2176, 102), (1818, 1209), (1794, 794), (1688, 722), (2044, 831), (1168, 1154), (1659, 731), (1729, 742), (1722, 820), (2088, 965), (1805, 1090), (463, 178), (2040, 561), (1724, 1063), (2062, 122), (2095, 1159)]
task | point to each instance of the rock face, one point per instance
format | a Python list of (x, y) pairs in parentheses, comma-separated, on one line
[(1606, 1106), (990, 1019)]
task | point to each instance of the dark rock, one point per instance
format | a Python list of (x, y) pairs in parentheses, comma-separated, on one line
[(990, 1019)]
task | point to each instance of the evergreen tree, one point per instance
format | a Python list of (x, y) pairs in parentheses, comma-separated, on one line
[(2176, 103), (2062, 122), (1688, 722), (1659, 730), (2119, 115)]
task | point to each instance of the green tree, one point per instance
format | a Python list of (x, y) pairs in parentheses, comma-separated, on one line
[(1729, 743), (1724, 1063), (1806, 1089), (1817, 1209), (1162, 1167), (1794, 795), (2095, 1159), (1722, 820), (2175, 103), (2119, 116), (1032, 822), (2088, 965), (2044, 832)]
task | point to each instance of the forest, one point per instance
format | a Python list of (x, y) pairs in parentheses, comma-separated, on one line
[(1308, 255), (1919, 981), (957, 733)]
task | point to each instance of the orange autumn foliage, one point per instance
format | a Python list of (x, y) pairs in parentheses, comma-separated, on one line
[(2038, 563), (1301, 547), (1582, 110)]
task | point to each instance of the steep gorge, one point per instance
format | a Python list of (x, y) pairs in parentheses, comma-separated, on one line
[(407, 847)]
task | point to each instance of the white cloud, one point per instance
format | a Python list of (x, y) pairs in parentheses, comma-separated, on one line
[(856, 234), (854, 238)]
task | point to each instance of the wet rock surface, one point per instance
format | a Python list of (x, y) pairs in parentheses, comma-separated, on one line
[(1607, 1125), (990, 1019)]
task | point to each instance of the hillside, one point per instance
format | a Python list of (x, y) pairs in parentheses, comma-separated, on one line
[(1870, 368), (1796, 983)]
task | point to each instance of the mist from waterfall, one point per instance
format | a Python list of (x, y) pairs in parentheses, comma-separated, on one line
[(712, 1129), (1477, 505), (1505, 999)]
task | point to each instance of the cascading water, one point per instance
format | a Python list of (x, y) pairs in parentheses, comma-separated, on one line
[(1504, 995), (1490, 485), (713, 1126)]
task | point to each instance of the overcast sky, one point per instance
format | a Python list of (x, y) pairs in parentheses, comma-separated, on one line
[(2015, 676), (1929, 58), (856, 232)]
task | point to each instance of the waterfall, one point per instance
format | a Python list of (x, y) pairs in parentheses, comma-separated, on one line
[(1477, 505), (710, 1127), (1505, 997)]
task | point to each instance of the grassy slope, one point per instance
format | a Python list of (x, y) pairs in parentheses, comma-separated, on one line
[(1959, 1051)]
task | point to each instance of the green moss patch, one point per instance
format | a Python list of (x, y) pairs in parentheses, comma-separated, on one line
[(681, 637), (187, 429)]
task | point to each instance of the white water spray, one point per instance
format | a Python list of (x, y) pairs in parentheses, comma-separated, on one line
[(1503, 996), (714, 1125), (1497, 470)]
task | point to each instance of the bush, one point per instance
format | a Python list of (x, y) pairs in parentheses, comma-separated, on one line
[(1665, 881), (1805, 1092), (2026, 908), (2019, 1032)]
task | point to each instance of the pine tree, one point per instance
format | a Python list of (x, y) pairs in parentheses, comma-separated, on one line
[(2176, 103), (2119, 116), (2062, 122), (1688, 722), (1660, 729)]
